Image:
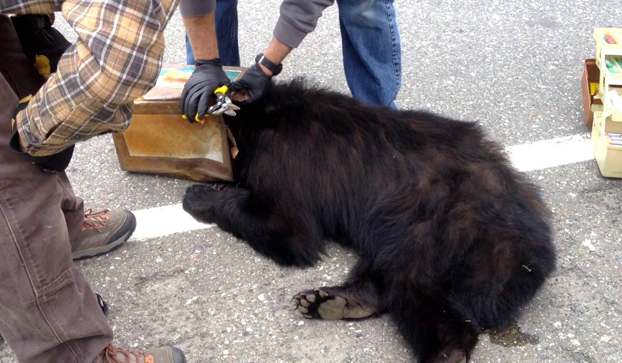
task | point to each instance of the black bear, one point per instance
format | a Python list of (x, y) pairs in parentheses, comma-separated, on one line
[(452, 240)]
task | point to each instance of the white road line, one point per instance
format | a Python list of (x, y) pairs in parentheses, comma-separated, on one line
[(164, 221), (551, 153)]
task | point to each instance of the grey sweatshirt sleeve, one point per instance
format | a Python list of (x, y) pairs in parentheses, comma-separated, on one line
[(196, 8), (298, 18)]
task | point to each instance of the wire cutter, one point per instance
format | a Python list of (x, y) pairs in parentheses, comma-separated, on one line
[(223, 103)]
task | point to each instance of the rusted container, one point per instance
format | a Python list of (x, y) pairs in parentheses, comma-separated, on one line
[(159, 141)]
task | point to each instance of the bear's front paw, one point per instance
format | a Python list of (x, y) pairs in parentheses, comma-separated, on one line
[(199, 201)]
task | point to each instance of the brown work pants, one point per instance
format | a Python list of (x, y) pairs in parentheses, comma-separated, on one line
[(48, 312)]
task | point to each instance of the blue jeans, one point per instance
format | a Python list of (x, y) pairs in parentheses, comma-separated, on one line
[(372, 57), (370, 39)]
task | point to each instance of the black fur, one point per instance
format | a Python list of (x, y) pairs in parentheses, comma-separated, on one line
[(452, 239)]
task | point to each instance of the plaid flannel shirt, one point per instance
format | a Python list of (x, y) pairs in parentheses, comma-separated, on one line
[(115, 60)]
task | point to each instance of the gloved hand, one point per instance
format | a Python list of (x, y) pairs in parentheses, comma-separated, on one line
[(42, 44), (199, 90), (48, 164), (255, 81)]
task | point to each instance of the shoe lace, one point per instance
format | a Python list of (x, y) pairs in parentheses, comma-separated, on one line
[(95, 220), (111, 355)]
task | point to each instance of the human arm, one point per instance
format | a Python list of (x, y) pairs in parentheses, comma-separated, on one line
[(115, 60), (208, 74), (198, 18), (257, 80), (298, 18)]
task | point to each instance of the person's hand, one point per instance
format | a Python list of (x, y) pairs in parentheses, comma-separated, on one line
[(48, 164), (199, 90), (255, 81), (42, 44)]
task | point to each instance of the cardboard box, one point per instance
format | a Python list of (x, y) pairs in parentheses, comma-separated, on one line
[(607, 121), (159, 141), (607, 154), (589, 89), (613, 103)]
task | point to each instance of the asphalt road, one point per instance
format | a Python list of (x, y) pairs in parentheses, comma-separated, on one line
[(514, 67)]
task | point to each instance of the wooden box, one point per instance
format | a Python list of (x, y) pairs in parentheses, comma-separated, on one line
[(589, 89), (159, 141)]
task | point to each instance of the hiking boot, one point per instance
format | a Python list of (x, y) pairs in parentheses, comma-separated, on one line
[(155, 355), (103, 232)]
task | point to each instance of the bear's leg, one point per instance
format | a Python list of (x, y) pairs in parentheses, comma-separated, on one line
[(287, 238), (358, 298)]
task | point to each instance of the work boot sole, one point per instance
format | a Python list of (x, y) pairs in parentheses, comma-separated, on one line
[(123, 234)]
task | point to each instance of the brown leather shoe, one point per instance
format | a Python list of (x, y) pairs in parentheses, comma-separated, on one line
[(155, 355), (103, 232)]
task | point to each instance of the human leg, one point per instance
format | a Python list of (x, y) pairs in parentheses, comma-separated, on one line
[(48, 312), (371, 50)]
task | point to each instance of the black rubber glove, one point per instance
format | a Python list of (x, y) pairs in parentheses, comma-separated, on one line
[(199, 90), (256, 82), (42, 44), (48, 164)]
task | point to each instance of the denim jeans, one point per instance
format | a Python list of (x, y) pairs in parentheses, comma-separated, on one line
[(372, 56), (370, 40), (227, 33)]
